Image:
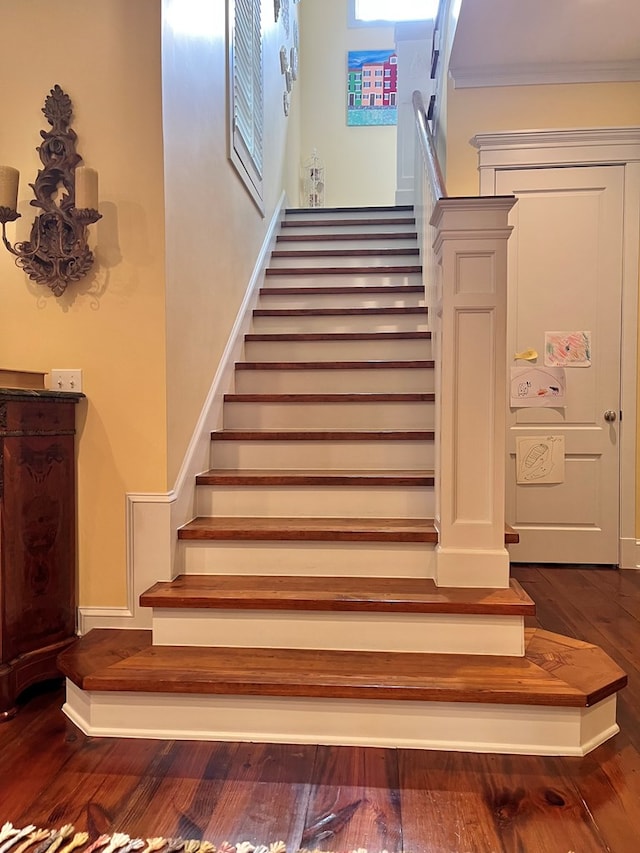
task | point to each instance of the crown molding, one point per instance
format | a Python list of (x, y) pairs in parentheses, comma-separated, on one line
[(541, 73)]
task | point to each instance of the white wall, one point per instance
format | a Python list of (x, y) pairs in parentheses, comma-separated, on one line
[(213, 228)]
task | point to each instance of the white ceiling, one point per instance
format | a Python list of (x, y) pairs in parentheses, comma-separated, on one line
[(502, 42)]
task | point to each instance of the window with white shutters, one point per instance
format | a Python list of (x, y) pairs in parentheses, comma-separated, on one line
[(246, 96)]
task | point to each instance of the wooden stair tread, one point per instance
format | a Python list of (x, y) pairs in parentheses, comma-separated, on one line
[(362, 594), (299, 528), (330, 223), (337, 312), (320, 477), (397, 269), (555, 671), (363, 235), (322, 435), (364, 208), (337, 336), (337, 290), (412, 364), (372, 397), (375, 251)]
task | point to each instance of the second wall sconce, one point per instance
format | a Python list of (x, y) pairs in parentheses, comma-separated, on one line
[(57, 252)]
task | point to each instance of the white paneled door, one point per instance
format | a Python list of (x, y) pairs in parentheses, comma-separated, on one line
[(565, 275)]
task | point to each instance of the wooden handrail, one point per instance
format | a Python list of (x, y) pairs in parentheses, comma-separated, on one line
[(428, 146)]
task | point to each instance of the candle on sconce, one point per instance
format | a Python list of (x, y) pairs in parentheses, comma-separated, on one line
[(9, 187), (86, 188)]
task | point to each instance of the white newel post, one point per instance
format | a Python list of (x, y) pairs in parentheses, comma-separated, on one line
[(471, 385)]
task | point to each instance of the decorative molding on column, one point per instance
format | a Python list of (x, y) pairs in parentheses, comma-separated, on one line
[(471, 251)]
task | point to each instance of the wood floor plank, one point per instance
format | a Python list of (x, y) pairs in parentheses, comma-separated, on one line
[(179, 792), (442, 801), (608, 780), (484, 802), (354, 795), (264, 798)]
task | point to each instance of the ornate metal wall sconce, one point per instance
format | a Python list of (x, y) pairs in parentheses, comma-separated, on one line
[(56, 252)]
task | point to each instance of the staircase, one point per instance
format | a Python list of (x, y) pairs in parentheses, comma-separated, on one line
[(306, 609)]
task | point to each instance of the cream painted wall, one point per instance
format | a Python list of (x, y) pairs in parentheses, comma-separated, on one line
[(214, 229), (360, 162), (111, 325), (471, 111)]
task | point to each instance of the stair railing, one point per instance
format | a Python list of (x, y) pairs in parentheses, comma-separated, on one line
[(463, 244)]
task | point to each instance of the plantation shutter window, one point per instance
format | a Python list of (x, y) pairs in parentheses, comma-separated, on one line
[(247, 118)]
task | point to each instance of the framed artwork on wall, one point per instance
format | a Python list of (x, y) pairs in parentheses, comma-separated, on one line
[(372, 87)]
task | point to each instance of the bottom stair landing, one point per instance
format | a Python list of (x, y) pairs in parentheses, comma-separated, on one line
[(559, 699)]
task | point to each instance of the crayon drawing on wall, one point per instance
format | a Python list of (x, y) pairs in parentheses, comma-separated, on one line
[(372, 87)]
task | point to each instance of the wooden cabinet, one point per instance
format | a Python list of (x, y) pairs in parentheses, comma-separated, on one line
[(37, 537)]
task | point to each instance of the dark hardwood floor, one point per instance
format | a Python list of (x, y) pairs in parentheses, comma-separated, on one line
[(342, 798)]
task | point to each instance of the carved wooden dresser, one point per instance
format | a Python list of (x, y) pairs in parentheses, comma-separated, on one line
[(37, 537)]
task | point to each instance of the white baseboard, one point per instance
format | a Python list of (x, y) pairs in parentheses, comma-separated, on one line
[(629, 553)]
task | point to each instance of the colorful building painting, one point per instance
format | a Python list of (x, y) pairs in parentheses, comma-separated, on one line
[(372, 87)]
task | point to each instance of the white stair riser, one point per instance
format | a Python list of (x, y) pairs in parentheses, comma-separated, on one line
[(342, 323), (329, 416), (315, 559), (327, 244), (371, 227), (337, 350), (326, 215), (342, 280), (469, 727), (380, 242), (304, 629), (316, 501), (343, 300), (333, 455), (345, 261), (335, 381)]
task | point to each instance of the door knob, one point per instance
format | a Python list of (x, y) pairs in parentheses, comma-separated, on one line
[(610, 415)]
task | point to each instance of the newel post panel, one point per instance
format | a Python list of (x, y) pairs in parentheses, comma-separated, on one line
[(471, 387)]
